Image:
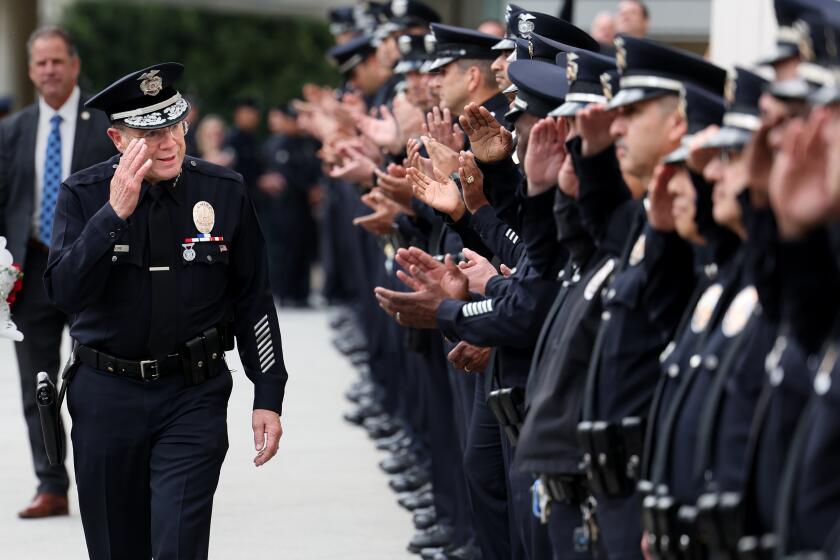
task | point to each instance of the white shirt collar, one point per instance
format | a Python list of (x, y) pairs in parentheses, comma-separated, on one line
[(67, 111)]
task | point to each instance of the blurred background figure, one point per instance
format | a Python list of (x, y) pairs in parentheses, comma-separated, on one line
[(6, 103), (492, 27), (243, 144), (603, 28), (290, 189), (210, 141), (632, 18)]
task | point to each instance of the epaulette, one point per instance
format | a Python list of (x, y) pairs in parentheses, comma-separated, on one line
[(211, 169), (94, 174)]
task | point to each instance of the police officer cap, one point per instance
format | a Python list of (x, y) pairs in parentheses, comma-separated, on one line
[(556, 29), (787, 36), (455, 43), (413, 53), (819, 31), (508, 43), (702, 109), (538, 48), (352, 53), (144, 99), (650, 69), (742, 118), (542, 87), (341, 20), (367, 16), (410, 13), (583, 70)]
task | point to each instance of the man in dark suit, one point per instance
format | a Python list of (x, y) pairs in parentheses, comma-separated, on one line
[(40, 146)]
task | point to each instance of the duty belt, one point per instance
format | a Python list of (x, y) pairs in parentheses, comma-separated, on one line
[(198, 359)]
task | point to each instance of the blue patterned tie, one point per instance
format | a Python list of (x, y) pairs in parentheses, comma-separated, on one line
[(52, 181)]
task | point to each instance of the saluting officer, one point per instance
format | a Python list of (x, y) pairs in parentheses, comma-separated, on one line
[(160, 261)]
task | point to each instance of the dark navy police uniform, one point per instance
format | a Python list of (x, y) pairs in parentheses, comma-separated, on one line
[(149, 435)]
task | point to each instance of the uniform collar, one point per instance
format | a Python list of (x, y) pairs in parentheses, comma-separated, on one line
[(176, 193)]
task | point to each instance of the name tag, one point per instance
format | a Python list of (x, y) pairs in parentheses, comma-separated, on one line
[(121, 248)]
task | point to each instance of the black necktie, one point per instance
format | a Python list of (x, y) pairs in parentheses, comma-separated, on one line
[(161, 267)]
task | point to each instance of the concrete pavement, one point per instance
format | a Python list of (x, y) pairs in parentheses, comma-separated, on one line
[(321, 497)]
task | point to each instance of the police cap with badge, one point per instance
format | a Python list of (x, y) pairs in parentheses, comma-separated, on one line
[(413, 53), (787, 37), (507, 43), (352, 53), (342, 20), (587, 73), (816, 26), (456, 43), (402, 14), (649, 70), (542, 87), (145, 99), (742, 118)]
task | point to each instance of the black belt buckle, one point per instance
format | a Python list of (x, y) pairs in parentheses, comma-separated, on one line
[(153, 368)]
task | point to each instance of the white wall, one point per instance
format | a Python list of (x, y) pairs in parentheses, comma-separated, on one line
[(742, 31)]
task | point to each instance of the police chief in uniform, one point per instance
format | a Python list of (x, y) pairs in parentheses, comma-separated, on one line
[(160, 262)]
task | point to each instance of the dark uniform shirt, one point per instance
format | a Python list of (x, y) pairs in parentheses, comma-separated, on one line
[(98, 270)]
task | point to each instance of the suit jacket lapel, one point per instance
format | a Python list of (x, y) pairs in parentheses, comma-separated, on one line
[(26, 151), (82, 133)]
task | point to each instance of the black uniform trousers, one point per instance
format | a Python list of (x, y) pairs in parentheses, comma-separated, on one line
[(40, 350), (147, 458)]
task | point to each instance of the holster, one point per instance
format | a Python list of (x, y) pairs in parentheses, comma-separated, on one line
[(719, 522), (508, 408), (202, 355), (49, 401), (567, 489), (757, 548), (612, 455)]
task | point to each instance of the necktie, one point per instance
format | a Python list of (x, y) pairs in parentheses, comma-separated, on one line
[(162, 270), (52, 181)]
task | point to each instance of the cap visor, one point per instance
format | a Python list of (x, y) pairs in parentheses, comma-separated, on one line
[(677, 156), (513, 114), (567, 109), (630, 96), (729, 137), (826, 95), (173, 114), (779, 54), (512, 88), (504, 45), (794, 89), (440, 63)]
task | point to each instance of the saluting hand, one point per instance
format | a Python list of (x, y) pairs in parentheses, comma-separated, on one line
[(125, 184), (489, 140)]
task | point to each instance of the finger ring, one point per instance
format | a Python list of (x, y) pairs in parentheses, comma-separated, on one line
[(398, 317), (467, 369), (470, 180)]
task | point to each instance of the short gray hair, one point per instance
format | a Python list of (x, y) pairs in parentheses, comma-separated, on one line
[(48, 31)]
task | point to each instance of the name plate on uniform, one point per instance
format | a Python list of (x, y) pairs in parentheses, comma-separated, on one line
[(121, 248)]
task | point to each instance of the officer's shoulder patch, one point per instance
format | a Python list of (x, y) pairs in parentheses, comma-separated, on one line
[(739, 312), (598, 279), (211, 169), (94, 174), (705, 307)]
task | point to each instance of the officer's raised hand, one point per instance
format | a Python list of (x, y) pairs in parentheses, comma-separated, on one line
[(489, 140), (125, 184), (546, 154)]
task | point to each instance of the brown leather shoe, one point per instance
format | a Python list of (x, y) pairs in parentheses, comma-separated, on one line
[(45, 505)]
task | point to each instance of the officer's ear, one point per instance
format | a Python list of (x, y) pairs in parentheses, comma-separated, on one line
[(117, 138)]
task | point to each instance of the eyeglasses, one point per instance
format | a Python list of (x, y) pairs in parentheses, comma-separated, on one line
[(158, 135)]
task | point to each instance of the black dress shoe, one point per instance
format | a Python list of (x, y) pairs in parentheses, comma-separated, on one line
[(433, 537), (409, 481), (395, 443), (424, 518), (453, 552), (416, 501), (358, 415), (398, 462), (384, 429)]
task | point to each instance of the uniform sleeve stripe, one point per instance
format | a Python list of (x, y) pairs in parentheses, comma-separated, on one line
[(265, 351), (261, 322), (263, 343), (266, 367), (267, 358), (262, 331)]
